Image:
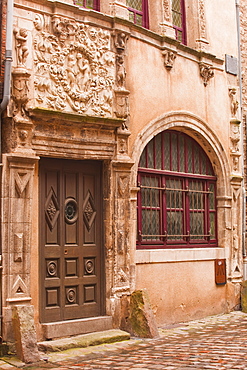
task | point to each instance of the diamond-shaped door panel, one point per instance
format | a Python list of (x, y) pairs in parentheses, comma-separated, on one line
[(51, 209), (89, 211)]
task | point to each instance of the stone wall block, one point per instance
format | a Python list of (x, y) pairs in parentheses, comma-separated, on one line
[(25, 334)]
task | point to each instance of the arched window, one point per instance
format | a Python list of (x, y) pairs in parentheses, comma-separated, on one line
[(178, 20), (89, 4), (138, 12), (176, 204)]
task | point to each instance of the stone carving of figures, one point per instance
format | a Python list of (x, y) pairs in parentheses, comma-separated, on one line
[(71, 70), (234, 102), (84, 68), (120, 42), (21, 46), (121, 74)]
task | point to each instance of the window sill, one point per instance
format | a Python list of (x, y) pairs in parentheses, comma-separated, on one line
[(178, 255)]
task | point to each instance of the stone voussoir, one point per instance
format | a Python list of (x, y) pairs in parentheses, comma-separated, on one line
[(85, 340)]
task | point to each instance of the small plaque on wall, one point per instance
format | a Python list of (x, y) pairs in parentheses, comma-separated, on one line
[(231, 65), (220, 271)]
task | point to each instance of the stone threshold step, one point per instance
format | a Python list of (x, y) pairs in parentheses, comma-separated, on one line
[(84, 340)]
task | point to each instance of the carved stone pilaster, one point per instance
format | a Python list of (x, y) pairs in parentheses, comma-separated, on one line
[(206, 72), (166, 26), (202, 42), (236, 272), (121, 94), (169, 56)]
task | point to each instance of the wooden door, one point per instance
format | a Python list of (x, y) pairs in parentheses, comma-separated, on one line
[(71, 253)]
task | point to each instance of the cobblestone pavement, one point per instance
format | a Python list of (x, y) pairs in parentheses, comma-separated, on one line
[(217, 342)]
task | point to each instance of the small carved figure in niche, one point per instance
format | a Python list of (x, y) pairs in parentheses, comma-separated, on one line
[(234, 102), (121, 74), (21, 46), (121, 39)]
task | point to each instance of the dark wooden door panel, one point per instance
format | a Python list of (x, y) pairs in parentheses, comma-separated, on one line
[(71, 241)]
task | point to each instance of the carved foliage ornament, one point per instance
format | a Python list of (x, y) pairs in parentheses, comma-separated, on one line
[(206, 72), (74, 67)]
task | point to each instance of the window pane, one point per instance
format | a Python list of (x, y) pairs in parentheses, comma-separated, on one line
[(181, 154), (131, 16), (158, 152), (174, 225), (150, 224), (174, 152), (150, 200), (211, 197), (139, 19), (190, 158), (167, 152), (135, 4), (196, 205), (197, 225), (142, 162), (174, 209), (150, 149), (212, 225), (89, 4)]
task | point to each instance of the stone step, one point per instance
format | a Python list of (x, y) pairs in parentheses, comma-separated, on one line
[(84, 340), (63, 329)]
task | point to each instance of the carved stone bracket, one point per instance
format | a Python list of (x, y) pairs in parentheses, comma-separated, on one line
[(169, 58), (20, 96), (206, 72)]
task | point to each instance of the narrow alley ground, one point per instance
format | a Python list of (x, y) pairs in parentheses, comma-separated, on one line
[(217, 342)]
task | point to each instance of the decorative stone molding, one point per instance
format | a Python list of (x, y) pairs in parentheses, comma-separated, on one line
[(74, 67), (206, 72), (234, 136), (169, 56), (202, 40)]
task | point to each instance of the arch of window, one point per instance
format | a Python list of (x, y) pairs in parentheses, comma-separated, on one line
[(176, 204)]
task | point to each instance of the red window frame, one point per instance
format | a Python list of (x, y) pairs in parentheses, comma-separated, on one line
[(176, 208), (143, 13), (84, 4), (180, 31)]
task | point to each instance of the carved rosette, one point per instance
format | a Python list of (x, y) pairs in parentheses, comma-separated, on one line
[(206, 72), (74, 67)]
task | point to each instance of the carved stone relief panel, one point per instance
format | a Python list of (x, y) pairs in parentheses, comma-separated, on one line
[(74, 67), (17, 240), (202, 40)]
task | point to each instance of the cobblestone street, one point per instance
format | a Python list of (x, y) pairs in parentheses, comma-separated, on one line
[(217, 342)]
